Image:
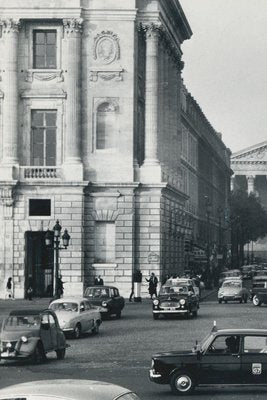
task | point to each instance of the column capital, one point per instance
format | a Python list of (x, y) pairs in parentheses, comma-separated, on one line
[(151, 29), (250, 177), (72, 25), (10, 25)]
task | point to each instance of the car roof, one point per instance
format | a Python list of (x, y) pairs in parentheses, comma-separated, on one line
[(75, 299), (240, 331), (77, 389), (27, 312)]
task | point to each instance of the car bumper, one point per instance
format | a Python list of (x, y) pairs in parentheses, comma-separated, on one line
[(156, 377), (13, 355), (237, 297), (175, 311)]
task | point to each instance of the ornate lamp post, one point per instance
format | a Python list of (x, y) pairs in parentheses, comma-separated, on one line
[(53, 239)]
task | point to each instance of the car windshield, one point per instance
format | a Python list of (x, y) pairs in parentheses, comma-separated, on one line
[(20, 322), (231, 284), (174, 289), (96, 292), (64, 306)]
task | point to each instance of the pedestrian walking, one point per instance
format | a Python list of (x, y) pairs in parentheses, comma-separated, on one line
[(9, 289), (152, 285), (99, 281), (60, 287)]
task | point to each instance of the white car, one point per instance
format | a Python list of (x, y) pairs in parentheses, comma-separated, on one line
[(67, 389), (76, 315)]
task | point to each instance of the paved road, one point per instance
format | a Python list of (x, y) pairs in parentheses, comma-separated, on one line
[(121, 353)]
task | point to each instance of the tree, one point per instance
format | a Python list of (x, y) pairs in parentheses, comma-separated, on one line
[(248, 221)]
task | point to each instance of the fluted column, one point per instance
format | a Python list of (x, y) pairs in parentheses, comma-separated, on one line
[(152, 173), (251, 184), (10, 33), (72, 30)]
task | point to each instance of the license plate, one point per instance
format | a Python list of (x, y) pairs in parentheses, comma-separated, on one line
[(171, 308)]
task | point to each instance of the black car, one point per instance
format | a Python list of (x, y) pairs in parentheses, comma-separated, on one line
[(107, 298), (176, 299), (225, 356), (259, 290)]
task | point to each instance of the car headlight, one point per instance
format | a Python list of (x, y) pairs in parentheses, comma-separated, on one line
[(24, 339), (156, 302), (182, 301), (104, 304)]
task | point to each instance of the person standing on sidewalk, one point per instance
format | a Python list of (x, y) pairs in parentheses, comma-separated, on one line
[(152, 285), (9, 289)]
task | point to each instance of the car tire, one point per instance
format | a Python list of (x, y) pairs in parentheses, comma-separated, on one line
[(220, 301), (95, 329), (225, 301), (155, 316), (182, 383), (39, 354), (241, 300), (60, 354), (77, 332), (256, 301), (118, 314), (194, 313)]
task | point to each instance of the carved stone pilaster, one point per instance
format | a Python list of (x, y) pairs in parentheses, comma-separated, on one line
[(73, 25), (251, 183), (7, 200), (10, 25)]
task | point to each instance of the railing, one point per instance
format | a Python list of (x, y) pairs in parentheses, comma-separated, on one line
[(39, 173)]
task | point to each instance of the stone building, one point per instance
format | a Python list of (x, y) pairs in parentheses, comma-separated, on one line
[(90, 134), (250, 169)]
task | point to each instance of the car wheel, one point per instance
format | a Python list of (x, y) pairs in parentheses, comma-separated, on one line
[(241, 300), (194, 313), (225, 301), (60, 354), (220, 301), (118, 314), (182, 383), (156, 316), (256, 301), (39, 354), (95, 329), (77, 332)]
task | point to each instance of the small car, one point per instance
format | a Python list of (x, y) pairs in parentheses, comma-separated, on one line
[(178, 299), (31, 334), (67, 389), (107, 298), (76, 316), (259, 290), (233, 290), (225, 356), (231, 273), (248, 271)]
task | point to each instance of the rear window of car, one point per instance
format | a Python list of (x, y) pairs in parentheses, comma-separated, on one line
[(96, 292), (255, 344), (64, 306), (22, 322)]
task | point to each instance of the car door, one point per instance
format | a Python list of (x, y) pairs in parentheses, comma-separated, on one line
[(90, 314), (45, 332), (254, 359), (83, 317), (218, 364), (117, 300)]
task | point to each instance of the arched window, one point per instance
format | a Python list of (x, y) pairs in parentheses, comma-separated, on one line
[(106, 125)]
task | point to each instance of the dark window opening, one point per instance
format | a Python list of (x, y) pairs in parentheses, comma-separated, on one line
[(39, 208), (44, 49)]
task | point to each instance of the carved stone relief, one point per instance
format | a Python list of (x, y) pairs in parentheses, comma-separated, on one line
[(33, 74)]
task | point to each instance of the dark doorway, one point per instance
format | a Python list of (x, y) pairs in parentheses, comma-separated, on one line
[(39, 265)]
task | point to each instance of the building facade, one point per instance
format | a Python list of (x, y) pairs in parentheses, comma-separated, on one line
[(249, 166), (90, 134)]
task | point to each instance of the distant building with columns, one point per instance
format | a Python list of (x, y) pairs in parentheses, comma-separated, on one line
[(94, 132), (250, 169)]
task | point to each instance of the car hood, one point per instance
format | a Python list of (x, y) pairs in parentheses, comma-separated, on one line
[(174, 353), (16, 335), (172, 297)]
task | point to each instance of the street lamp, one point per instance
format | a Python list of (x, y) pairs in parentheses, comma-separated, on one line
[(53, 239)]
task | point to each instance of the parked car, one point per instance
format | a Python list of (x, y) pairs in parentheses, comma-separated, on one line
[(259, 290), (31, 334), (178, 299), (225, 356), (76, 316), (233, 290), (107, 298), (248, 271), (231, 273), (67, 389)]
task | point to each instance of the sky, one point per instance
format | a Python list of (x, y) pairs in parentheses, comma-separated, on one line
[(226, 67)]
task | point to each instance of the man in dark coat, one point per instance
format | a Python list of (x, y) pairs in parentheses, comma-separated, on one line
[(152, 285), (99, 281)]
